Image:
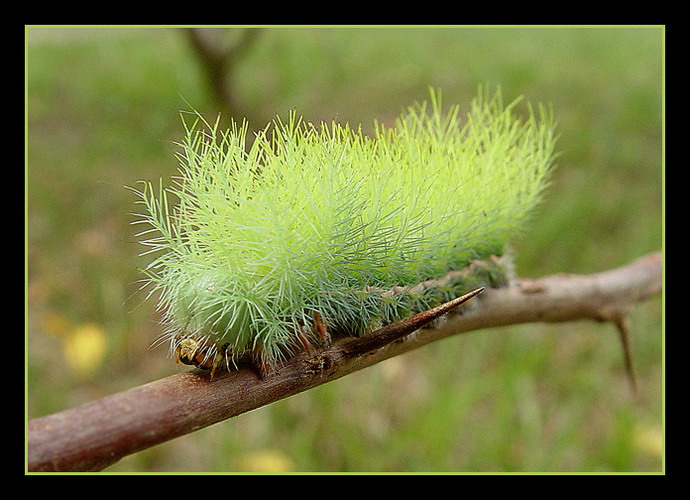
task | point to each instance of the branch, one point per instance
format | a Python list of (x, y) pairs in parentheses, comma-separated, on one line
[(97, 434)]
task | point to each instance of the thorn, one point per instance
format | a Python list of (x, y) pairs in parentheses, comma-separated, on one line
[(394, 331), (623, 326)]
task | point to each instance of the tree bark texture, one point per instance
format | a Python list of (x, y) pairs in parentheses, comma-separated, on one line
[(97, 434)]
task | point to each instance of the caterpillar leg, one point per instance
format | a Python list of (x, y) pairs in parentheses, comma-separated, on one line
[(321, 329), (261, 362), (303, 339)]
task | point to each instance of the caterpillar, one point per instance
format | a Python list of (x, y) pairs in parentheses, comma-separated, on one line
[(309, 232)]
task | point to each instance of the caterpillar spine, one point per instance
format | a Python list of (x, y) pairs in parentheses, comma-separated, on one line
[(317, 231)]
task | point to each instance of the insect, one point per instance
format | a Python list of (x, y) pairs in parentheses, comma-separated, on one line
[(310, 232)]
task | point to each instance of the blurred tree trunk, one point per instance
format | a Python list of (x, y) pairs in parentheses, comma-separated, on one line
[(219, 55)]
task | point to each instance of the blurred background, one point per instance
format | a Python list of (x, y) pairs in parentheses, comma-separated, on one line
[(104, 112)]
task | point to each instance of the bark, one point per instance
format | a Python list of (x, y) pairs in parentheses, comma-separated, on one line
[(96, 434)]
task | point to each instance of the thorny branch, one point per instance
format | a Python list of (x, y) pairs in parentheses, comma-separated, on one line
[(97, 434)]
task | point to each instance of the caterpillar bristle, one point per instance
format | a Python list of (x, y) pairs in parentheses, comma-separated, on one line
[(310, 233)]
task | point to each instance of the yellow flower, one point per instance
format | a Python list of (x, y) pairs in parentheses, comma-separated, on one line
[(269, 460), (84, 348), (649, 440)]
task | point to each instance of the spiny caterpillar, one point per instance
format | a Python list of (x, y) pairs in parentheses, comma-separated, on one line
[(314, 231)]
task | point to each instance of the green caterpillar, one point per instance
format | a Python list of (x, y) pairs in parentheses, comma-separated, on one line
[(310, 232)]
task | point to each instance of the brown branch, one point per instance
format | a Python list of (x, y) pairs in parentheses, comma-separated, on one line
[(96, 434)]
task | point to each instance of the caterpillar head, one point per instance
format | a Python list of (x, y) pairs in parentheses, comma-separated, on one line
[(199, 352)]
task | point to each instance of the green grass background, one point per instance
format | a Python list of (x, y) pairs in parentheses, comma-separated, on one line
[(103, 112)]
